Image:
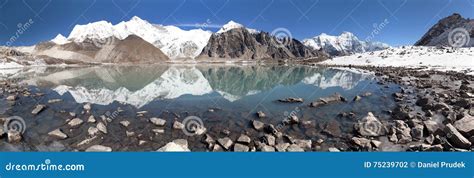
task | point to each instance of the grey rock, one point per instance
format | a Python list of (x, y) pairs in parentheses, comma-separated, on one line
[(93, 131), (178, 145), (267, 148), (11, 98), (57, 134), (291, 100), (76, 122), (125, 123), (244, 139), (431, 126), (261, 114), (38, 109), (99, 148), (225, 142), (158, 121), (281, 147), (465, 125), (362, 143), (14, 136), (269, 139), (456, 138), (370, 126), (101, 126), (257, 125), (178, 125), (240, 148), (332, 149), (294, 148), (91, 119)]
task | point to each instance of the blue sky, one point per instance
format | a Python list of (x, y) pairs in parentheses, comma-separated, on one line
[(405, 21)]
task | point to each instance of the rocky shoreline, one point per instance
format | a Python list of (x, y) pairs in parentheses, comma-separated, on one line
[(433, 113)]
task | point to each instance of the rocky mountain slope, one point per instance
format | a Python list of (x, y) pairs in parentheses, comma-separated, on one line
[(238, 42), (132, 49), (459, 28), (344, 44), (173, 41)]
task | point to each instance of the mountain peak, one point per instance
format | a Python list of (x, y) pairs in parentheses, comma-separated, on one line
[(229, 26), (60, 39)]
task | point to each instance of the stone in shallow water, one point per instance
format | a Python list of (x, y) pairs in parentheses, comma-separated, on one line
[(257, 125), (99, 148), (75, 122), (93, 131), (158, 121), (57, 134), (38, 109), (178, 125), (178, 145), (91, 119), (11, 98), (101, 126), (225, 142), (291, 100), (240, 148), (125, 123), (332, 149), (51, 101), (14, 136), (244, 139), (261, 114), (87, 107)]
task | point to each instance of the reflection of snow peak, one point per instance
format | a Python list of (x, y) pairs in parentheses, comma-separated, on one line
[(172, 84), (344, 79)]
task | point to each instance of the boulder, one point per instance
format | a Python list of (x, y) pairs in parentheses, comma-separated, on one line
[(76, 122), (336, 97), (158, 121), (281, 147), (14, 136), (431, 126), (257, 125), (294, 148), (244, 139), (125, 123), (93, 131), (465, 125), (261, 114), (225, 142), (269, 139), (101, 126), (241, 148), (178, 125), (267, 148), (456, 138), (362, 143), (91, 119), (178, 145), (333, 128), (370, 126), (38, 109), (99, 148)]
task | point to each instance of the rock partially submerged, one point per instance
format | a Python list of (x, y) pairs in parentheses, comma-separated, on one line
[(57, 134), (99, 148), (291, 100), (456, 138), (38, 109), (178, 145), (336, 97)]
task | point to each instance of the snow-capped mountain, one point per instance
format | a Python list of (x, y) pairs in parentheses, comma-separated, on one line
[(173, 41), (60, 39), (233, 25), (344, 44), (459, 29)]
